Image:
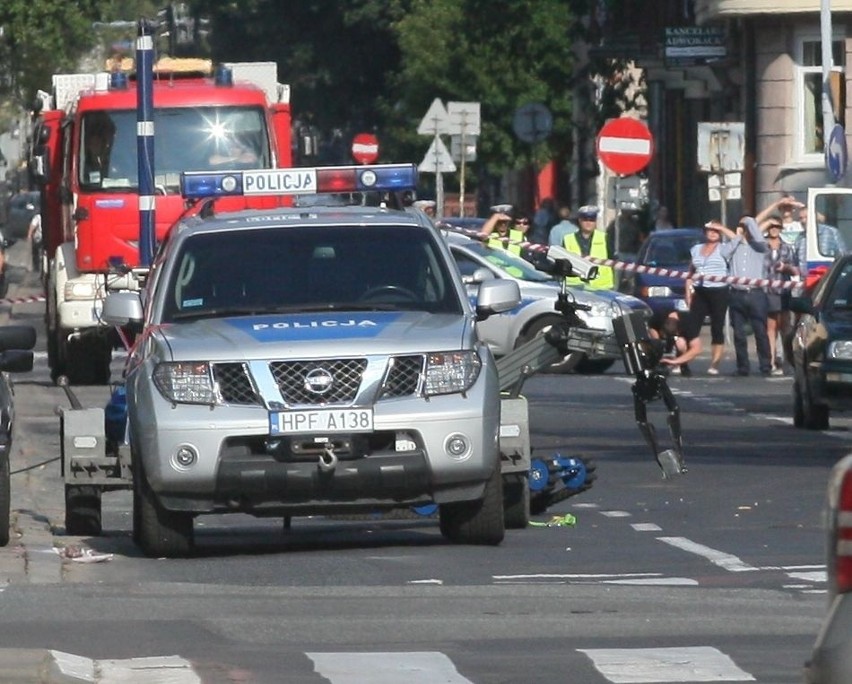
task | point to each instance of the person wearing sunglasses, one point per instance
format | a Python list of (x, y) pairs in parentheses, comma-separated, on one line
[(505, 231), (780, 265)]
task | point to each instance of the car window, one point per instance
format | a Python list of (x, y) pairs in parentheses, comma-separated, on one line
[(337, 267), (840, 295), (670, 252)]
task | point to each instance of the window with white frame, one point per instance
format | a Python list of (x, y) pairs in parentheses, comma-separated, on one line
[(809, 127)]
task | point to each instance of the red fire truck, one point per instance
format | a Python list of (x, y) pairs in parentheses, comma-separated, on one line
[(85, 160)]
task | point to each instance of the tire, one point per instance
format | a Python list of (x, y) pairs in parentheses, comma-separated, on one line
[(87, 362), (589, 366), (815, 416), (516, 501), (476, 522), (5, 500), (162, 533), (83, 511), (539, 326), (798, 406)]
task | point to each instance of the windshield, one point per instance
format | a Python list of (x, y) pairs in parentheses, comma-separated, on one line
[(289, 269), (672, 251), (187, 139), (512, 265)]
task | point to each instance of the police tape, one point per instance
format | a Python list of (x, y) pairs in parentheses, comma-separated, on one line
[(23, 300), (630, 266)]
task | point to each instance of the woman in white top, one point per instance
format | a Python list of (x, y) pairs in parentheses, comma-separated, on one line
[(710, 297)]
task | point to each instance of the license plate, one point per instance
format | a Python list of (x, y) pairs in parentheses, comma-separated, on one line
[(320, 421)]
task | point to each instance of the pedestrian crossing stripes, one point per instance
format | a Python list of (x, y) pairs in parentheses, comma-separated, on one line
[(658, 665)]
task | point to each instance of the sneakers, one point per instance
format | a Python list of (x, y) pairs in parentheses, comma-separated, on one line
[(777, 371), (712, 371), (674, 370)]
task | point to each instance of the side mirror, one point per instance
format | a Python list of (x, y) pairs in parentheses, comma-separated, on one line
[(801, 305), (497, 296), (123, 308), (480, 275)]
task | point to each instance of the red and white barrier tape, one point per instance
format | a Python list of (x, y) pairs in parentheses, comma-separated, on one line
[(23, 300), (632, 266)]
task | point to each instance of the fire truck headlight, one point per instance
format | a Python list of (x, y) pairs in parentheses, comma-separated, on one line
[(185, 382), (451, 372), (79, 291)]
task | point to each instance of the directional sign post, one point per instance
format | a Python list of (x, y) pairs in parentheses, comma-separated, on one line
[(625, 146), (836, 153), (436, 123), (464, 118)]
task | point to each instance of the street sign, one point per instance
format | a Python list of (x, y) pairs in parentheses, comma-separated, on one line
[(836, 154), (437, 159), (532, 122), (625, 146), (464, 118), (436, 121), (365, 148), (469, 148)]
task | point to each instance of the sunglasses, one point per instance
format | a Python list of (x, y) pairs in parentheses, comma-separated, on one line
[(774, 225)]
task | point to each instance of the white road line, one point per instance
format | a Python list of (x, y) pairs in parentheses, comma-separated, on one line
[(153, 670), (659, 665), (646, 527), (577, 576), (425, 667), (615, 514), (724, 560), (657, 582), (817, 576)]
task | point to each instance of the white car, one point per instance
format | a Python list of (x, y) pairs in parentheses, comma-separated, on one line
[(536, 311)]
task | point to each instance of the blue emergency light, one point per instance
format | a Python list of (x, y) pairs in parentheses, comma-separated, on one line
[(298, 181)]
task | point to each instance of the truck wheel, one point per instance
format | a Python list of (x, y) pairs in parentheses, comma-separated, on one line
[(479, 521), (516, 501), (5, 501), (162, 533), (82, 511)]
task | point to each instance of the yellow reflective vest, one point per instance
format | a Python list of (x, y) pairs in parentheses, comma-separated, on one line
[(606, 277), (515, 236)]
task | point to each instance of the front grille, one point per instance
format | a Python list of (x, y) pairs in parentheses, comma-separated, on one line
[(345, 376), (403, 376), (234, 384)]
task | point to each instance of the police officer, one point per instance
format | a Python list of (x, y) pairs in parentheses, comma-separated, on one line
[(589, 242), (501, 226)]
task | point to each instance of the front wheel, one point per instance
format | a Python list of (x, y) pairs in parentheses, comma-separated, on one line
[(479, 521), (798, 406), (83, 511), (516, 501), (162, 533)]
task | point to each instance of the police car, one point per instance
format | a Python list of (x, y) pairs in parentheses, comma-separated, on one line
[(311, 360)]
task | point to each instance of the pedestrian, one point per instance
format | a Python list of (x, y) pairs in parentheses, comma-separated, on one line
[(504, 231), (661, 219), (543, 220), (708, 297), (749, 303), (679, 334), (780, 265), (830, 242), (590, 242), (565, 227), (788, 208), (34, 237), (426, 206)]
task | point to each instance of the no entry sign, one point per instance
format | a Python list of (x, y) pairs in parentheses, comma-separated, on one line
[(365, 148), (625, 145)]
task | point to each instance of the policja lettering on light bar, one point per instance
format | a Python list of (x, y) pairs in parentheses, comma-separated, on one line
[(285, 181)]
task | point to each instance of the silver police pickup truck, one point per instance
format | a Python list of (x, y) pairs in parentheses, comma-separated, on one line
[(309, 361)]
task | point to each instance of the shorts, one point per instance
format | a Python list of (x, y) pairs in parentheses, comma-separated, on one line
[(778, 302)]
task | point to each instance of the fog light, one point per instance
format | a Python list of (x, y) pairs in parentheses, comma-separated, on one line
[(185, 456), (457, 446)]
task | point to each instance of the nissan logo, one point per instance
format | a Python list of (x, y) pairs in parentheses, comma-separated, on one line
[(318, 381)]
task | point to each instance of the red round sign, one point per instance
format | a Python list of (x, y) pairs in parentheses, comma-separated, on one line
[(625, 145), (365, 148)]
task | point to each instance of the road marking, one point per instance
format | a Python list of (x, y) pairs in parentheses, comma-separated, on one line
[(658, 665), (629, 578), (657, 581), (817, 576), (576, 576), (424, 667), (646, 527), (154, 670), (724, 560), (615, 514)]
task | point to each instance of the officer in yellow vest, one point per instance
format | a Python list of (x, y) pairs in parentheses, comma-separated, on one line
[(589, 242), (500, 226)]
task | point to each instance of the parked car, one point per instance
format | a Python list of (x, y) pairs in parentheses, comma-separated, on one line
[(16, 356), (831, 659), (536, 312), (667, 249), (22, 207), (821, 348)]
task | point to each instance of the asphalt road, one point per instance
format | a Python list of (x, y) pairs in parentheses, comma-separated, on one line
[(714, 576)]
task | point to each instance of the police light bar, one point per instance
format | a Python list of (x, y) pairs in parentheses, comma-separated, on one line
[(298, 181)]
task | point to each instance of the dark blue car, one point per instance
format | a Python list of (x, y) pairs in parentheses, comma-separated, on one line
[(666, 249)]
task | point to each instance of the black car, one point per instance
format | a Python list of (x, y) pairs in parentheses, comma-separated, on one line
[(821, 348), (22, 207), (16, 356)]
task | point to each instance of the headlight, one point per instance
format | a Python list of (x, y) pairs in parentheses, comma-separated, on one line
[(451, 372), (657, 291), (842, 349), (79, 291), (185, 382), (599, 309)]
